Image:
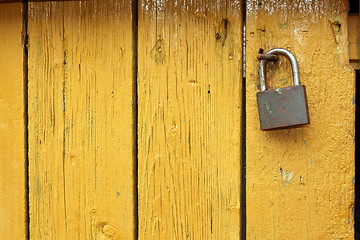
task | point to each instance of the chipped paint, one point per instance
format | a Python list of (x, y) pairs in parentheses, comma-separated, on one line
[(82, 152), (321, 154), (301, 180), (286, 175), (189, 116), (158, 53), (283, 81), (282, 25)]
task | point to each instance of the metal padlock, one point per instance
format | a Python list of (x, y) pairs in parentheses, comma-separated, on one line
[(282, 107)]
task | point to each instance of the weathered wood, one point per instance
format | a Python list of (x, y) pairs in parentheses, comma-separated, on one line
[(13, 223), (20, 1), (189, 91), (300, 182), (81, 120), (354, 40), (354, 37)]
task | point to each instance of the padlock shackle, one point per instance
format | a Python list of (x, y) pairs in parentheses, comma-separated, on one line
[(286, 53)]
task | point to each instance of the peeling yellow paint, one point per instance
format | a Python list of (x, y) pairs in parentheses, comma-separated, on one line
[(286, 175), (81, 120), (189, 88)]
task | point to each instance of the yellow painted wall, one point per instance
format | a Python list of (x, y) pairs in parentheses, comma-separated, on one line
[(300, 182), (12, 125)]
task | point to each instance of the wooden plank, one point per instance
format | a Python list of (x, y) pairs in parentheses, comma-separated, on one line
[(12, 130), (20, 1), (354, 37), (81, 120), (300, 182), (354, 40), (189, 91)]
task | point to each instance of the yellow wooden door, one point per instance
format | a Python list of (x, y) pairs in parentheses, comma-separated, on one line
[(137, 120)]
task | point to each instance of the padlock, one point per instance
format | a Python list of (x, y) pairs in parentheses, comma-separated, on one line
[(282, 107)]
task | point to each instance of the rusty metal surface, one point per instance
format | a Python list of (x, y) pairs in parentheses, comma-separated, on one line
[(268, 57), (283, 107)]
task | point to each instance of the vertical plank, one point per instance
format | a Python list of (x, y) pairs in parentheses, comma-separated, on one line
[(12, 138), (189, 91), (354, 40), (300, 182), (354, 37), (81, 120)]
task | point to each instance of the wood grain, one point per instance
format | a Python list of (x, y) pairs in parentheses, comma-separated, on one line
[(354, 37), (13, 223), (354, 40), (81, 120), (300, 182), (189, 90)]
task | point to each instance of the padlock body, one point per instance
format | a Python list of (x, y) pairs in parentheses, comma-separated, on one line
[(283, 107)]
